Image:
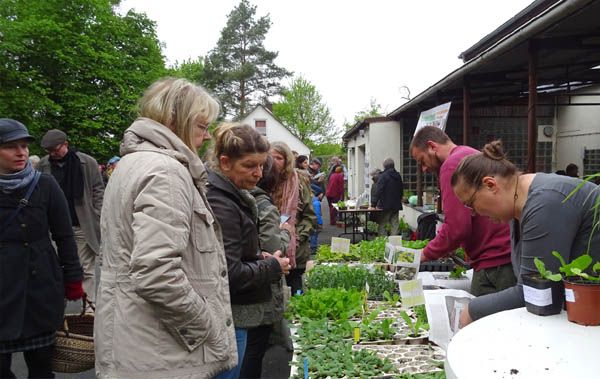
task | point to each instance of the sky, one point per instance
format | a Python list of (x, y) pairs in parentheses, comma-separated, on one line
[(352, 51)]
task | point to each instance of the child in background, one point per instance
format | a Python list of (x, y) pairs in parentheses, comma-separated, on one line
[(316, 202)]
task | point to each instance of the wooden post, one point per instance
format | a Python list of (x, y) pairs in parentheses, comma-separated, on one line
[(466, 113)]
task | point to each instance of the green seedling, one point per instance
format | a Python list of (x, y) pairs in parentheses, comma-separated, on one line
[(458, 272), (546, 274), (390, 299), (416, 327)]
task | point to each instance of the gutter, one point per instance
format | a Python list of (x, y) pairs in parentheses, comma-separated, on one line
[(537, 24)]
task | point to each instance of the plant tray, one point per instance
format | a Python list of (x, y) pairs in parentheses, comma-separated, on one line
[(409, 358), (439, 265)]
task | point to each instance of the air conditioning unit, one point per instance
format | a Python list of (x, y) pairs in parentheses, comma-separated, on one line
[(546, 133)]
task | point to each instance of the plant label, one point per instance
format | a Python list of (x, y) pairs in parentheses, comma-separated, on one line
[(395, 240), (539, 297), (411, 292), (356, 334), (341, 245), (569, 295)]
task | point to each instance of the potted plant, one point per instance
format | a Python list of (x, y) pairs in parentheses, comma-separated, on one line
[(341, 205), (417, 328), (582, 290), (543, 291)]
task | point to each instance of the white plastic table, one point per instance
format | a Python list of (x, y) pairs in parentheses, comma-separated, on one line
[(519, 345)]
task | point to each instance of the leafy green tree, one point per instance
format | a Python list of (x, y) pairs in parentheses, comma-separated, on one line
[(239, 69), (192, 70), (305, 114), (373, 110), (328, 149), (76, 65)]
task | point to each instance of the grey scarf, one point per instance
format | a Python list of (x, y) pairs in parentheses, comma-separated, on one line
[(12, 182)]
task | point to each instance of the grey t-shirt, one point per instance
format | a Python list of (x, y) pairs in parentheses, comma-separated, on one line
[(547, 224)]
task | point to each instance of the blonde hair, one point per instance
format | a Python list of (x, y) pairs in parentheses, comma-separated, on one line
[(283, 149), (236, 140), (178, 104)]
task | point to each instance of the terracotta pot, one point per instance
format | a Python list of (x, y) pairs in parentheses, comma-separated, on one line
[(543, 297), (583, 301)]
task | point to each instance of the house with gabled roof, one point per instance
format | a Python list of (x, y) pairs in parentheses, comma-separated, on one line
[(265, 122)]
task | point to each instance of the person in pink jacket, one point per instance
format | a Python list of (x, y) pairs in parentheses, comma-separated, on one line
[(487, 245), (335, 191)]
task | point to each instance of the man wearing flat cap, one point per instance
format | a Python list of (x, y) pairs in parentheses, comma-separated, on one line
[(81, 181)]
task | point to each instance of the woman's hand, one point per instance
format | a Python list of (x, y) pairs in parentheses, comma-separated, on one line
[(465, 317), (284, 263), (73, 290)]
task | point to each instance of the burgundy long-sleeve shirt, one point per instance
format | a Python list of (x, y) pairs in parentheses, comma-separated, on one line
[(486, 244)]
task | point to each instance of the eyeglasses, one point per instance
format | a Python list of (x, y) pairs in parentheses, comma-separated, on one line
[(471, 201), (203, 127), (54, 150)]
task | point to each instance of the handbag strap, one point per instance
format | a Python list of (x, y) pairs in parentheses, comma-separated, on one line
[(22, 203)]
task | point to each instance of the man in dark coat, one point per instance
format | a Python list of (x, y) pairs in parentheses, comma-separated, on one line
[(388, 196)]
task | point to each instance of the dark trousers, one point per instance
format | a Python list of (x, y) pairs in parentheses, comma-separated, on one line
[(294, 280), (332, 212), (258, 340), (39, 363)]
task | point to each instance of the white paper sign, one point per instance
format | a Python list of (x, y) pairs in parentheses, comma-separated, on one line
[(436, 116), (569, 295), (538, 297), (341, 245), (395, 240), (411, 292)]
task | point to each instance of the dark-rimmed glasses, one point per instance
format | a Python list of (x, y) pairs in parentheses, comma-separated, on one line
[(471, 201)]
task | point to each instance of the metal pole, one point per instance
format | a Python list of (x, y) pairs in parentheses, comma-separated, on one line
[(531, 108)]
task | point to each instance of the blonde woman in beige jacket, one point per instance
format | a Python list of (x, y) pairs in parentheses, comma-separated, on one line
[(163, 307)]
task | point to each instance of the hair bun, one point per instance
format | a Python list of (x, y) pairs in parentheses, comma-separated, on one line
[(494, 150)]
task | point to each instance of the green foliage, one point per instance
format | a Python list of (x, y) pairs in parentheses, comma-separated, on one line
[(373, 110), (192, 70), (372, 226), (342, 276), (78, 66), (338, 360), (417, 326), (458, 272), (546, 274), (329, 303), (239, 69), (403, 226), (418, 244), (373, 250), (326, 149), (460, 252), (578, 266), (391, 299), (341, 204), (324, 254), (305, 113)]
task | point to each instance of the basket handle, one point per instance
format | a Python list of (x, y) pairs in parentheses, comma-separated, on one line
[(84, 302), (66, 326)]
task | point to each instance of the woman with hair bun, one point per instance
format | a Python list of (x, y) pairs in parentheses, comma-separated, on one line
[(540, 219)]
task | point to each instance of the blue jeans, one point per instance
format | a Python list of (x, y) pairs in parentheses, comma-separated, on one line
[(241, 337), (314, 236)]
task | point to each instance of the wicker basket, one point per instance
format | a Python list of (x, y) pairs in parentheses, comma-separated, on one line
[(74, 349)]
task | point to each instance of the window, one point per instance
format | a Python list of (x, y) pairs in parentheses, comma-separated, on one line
[(261, 126)]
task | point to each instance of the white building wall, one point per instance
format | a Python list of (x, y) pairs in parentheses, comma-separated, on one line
[(276, 131), (577, 129), (380, 140), (386, 142)]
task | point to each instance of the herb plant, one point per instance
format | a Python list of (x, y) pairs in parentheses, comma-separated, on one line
[(578, 266), (342, 276), (458, 272), (418, 244), (546, 274), (328, 303), (415, 326)]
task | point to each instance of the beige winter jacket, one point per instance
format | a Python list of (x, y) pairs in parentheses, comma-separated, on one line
[(163, 302)]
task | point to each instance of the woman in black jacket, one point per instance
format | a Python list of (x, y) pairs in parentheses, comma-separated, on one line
[(34, 279), (239, 155)]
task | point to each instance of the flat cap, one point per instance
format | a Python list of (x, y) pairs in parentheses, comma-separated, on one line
[(13, 130), (53, 138)]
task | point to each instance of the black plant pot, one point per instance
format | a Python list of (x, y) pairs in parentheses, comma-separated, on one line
[(543, 297)]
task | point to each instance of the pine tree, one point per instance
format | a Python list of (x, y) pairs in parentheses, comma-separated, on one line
[(239, 69)]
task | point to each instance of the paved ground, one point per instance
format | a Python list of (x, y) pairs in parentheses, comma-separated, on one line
[(276, 362)]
